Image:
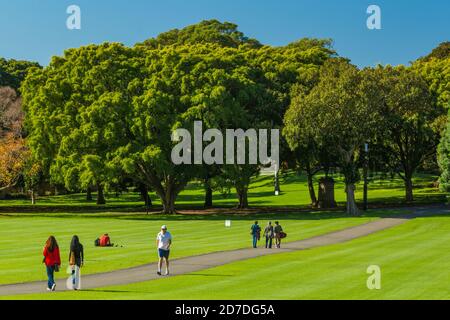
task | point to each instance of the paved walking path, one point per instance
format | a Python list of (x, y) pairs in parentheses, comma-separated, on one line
[(206, 261)]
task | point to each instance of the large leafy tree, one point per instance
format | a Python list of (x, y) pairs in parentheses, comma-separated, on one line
[(76, 113), (209, 83), (13, 152), (411, 123), (337, 116)]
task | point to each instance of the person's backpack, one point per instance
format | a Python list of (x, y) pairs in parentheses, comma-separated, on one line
[(97, 242)]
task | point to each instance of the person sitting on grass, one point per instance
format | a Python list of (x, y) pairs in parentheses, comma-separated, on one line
[(163, 243), (256, 233), (105, 241)]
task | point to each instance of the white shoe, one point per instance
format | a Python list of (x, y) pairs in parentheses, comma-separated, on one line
[(48, 289), (54, 287), (167, 273)]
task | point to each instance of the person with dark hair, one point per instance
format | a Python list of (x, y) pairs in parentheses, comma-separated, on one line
[(76, 260), (256, 233), (52, 261), (278, 234), (268, 233)]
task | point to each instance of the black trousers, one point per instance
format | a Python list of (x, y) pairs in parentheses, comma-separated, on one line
[(268, 242)]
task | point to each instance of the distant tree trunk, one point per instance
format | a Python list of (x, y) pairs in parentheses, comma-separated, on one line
[(56, 192), (208, 194), (326, 193), (33, 197), (144, 195), (352, 208), (409, 188), (89, 194), (100, 196), (243, 197), (312, 192)]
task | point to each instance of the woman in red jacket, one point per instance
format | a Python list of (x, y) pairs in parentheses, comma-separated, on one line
[(52, 261)]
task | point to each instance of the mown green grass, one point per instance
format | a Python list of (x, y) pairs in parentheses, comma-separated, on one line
[(22, 237), (294, 193), (414, 259)]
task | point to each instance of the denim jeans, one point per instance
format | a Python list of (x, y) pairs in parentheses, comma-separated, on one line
[(255, 240), (50, 275)]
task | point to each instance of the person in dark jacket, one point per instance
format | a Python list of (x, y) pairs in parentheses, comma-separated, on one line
[(76, 260), (255, 231), (52, 261)]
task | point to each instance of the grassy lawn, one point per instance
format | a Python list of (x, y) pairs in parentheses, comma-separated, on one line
[(22, 237), (294, 193), (414, 259)]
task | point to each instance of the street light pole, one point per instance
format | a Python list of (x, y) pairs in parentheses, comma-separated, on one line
[(277, 181), (365, 169)]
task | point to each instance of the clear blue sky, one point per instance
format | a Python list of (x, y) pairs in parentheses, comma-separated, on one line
[(36, 30)]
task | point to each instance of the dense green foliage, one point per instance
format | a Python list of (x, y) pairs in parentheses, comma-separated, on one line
[(13, 72), (101, 116)]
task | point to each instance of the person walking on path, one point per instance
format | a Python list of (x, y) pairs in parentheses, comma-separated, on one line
[(52, 261), (163, 243), (256, 233), (268, 233), (278, 234), (76, 261)]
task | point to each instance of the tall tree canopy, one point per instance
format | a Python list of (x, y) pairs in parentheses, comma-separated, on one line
[(209, 31), (337, 116), (411, 123)]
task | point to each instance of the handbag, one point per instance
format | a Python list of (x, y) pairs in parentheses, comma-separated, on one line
[(56, 268)]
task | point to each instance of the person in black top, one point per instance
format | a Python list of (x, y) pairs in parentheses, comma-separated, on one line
[(76, 260)]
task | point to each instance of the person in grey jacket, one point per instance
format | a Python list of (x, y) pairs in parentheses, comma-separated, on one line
[(269, 233)]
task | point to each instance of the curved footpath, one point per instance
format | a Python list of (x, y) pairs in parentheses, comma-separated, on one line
[(210, 260)]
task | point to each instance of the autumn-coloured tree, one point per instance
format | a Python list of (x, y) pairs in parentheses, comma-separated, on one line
[(13, 152)]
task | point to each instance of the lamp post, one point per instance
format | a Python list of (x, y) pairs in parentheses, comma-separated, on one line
[(277, 181), (365, 168)]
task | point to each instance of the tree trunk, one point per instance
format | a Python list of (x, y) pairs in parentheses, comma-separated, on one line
[(243, 198), (100, 196), (312, 193), (33, 197), (326, 193), (408, 189), (168, 202), (144, 195), (352, 209), (89, 194), (208, 194)]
